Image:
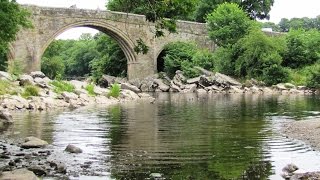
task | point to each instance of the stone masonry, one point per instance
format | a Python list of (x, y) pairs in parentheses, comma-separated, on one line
[(125, 28)]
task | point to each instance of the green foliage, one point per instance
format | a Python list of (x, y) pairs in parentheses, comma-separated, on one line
[(224, 60), (227, 24), (275, 74), (30, 90), (13, 18), (4, 87), (254, 9), (313, 80), (157, 11), (176, 54), (114, 90), (299, 23), (90, 89), (61, 86), (141, 47), (53, 67), (303, 48)]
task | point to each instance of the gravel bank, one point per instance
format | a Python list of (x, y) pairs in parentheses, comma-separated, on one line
[(305, 130)]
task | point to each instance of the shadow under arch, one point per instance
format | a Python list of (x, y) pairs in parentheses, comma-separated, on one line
[(121, 38)]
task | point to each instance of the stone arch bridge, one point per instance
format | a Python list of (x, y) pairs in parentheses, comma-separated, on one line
[(125, 28)]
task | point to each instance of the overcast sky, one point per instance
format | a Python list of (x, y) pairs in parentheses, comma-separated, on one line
[(281, 9)]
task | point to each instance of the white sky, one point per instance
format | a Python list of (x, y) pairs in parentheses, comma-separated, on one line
[(281, 9)]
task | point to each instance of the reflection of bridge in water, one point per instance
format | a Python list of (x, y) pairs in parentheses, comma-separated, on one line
[(125, 28)]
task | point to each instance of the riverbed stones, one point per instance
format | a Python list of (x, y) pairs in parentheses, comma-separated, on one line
[(38, 170), (73, 149), (5, 76), (33, 142), (18, 174), (68, 96), (161, 85)]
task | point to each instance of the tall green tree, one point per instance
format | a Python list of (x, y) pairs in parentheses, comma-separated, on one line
[(228, 23), (256, 9), (12, 18)]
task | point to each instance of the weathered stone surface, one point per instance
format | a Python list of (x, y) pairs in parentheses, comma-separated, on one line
[(234, 89), (161, 85), (78, 84), (280, 87), (204, 71), (174, 87), (37, 74), (69, 96), (127, 94), (5, 76), (5, 117), (106, 80), (101, 91), (125, 28), (189, 88), (201, 91), (225, 80), (179, 78), (33, 142), (193, 80), (18, 174), (130, 87), (73, 149), (39, 171), (25, 80), (40, 82), (15, 102)]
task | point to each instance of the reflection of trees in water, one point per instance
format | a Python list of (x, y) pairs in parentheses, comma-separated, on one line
[(197, 137)]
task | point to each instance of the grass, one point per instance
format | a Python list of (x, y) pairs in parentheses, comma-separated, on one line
[(6, 87), (90, 89), (61, 86), (114, 90), (30, 90)]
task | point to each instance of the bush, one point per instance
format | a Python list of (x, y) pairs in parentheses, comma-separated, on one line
[(15, 67), (90, 89), (4, 87), (53, 67), (203, 58), (313, 81), (175, 54), (61, 86), (30, 90), (114, 90), (275, 74), (303, 48), (224, 61)]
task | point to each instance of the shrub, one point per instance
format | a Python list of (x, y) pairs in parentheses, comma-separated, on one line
[(90, 89), (203, 58), (176, 53), (52, 67), (313, 81), (114, 90), (4, 87), (224, 61), (61, 86), (15, 67), (30, 90), (303, 48), (275, 74)]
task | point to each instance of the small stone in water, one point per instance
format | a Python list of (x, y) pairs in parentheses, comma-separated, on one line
[(155, 175)]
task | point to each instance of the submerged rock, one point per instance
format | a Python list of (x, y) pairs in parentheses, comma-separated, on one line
[(19, 174), (73, 149), (33, 142)]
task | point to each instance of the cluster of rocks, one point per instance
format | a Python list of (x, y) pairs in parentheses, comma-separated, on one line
[(288, 173), (208, 82), (48, 98), (31, 159)]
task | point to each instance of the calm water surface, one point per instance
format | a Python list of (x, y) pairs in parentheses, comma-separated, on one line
[(180, 136)]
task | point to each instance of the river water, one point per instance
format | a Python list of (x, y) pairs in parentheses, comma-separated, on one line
[(179, 136)]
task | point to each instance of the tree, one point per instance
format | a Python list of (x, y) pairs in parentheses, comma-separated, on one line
[(163, 13), (13, 18), (227, 24), (256, 9)]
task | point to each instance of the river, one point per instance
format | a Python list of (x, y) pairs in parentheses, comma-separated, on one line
[(179, 136)]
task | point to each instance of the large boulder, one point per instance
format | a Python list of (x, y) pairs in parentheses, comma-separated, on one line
[(205, 81), (33, 142), (161, 85), (189, 88), (15, 102), (37, 74), (106, 80), (225, 80), (193, 80), (18, 174), (5, 117), (68, 96), (41, 82), (130, 95), (179, 79), (130, 87), (5, 76), (25, 80)]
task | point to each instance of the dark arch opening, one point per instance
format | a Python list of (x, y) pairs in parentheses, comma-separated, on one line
[(160, 61)]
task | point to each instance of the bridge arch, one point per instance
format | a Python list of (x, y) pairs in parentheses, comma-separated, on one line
[(118, 35)]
